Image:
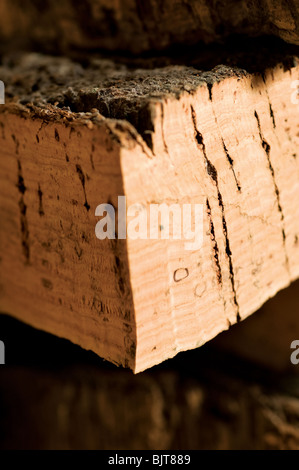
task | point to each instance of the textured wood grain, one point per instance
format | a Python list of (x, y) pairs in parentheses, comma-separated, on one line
[(52, 265), (225, 139)]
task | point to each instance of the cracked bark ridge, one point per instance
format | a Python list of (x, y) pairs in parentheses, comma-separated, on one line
[(226, 139), (137, 26)]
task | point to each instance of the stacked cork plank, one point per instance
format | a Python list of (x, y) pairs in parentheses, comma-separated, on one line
[(76, 133)]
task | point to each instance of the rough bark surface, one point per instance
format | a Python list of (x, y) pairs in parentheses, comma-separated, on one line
[(137, 26)]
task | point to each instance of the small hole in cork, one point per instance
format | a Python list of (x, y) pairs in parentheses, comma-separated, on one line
[(180, 274)]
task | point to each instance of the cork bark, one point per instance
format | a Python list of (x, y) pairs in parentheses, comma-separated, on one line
[(137, 26), (226, 139), (56, 396)]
